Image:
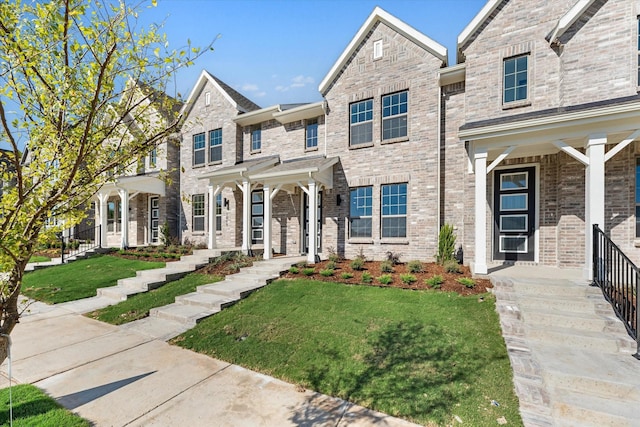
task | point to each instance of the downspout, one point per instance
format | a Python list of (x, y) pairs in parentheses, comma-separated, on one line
[(324, 109), (439, 179)]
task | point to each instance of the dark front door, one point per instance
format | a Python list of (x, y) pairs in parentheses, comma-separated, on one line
[(514, 214), (306, 221), (155, 217)]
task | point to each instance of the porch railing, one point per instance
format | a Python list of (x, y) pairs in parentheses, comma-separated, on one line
[(618, 277), (79, 241)]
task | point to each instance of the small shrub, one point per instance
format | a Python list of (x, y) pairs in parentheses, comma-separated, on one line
[(333, 255), (294, 270), (415, 266), (361, 254), (346, 275), (468, 282), (308, 271), (446, 244), (452, 266), (386, 266), (366, 277), (331, 265), (302, 264), (408, 278), (385, 279), (357, 264), (327, 272), (165, 235), (435, 282), (393, 257)]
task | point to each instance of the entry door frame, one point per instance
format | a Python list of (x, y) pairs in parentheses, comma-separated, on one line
[(536, 208), (153, 209), (305, 222)]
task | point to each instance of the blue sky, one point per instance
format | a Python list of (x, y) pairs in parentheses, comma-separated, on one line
[(278, 51)]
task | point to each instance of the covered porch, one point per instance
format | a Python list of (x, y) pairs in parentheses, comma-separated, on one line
[(259, 181), (521, 154), (112, 203)]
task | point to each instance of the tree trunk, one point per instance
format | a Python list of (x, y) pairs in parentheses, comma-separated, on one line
[(9, 309), (4, 348)]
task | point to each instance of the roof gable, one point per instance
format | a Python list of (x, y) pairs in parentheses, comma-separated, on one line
[(476, 25), (568, 19), (236, 99), (379, 15)]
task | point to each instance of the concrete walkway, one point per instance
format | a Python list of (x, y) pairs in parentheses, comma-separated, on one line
[(570, 355), (125, 376)]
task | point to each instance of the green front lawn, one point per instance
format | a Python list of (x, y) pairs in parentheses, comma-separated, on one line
[(138, 306), (31, 407), (39, 258), (80, 279), (421, 355)]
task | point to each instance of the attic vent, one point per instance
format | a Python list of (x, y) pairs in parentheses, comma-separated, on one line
[(207, 98), (377, 49)]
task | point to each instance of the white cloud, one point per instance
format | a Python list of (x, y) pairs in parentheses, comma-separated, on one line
[(296, 82), (250, 87)]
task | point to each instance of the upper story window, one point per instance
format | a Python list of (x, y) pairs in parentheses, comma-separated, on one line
[(311, 134), (361, 122), (256, 138), (207, 98), (394, 115), (516, 79), (215, 145), (377, 49), (153, 158), (198, 149)]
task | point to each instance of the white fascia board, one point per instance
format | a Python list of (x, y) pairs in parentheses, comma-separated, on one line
[(569, 18), (454, 74), (380, 15), (307, 111), (304, 172), (477, 21), (257, 116)]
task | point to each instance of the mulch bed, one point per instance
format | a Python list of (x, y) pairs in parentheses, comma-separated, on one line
[(450, 283)]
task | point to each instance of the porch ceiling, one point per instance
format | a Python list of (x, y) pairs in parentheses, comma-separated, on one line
[(230, 174), (536, 136)]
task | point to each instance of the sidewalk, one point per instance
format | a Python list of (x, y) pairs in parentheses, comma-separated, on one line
[(114, 376)]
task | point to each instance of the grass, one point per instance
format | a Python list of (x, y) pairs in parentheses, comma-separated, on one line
[(420, 355), (80, 279), (39, 258), (138, 306), (31, 407)]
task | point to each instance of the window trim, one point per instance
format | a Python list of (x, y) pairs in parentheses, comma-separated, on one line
[(516, 102), (370, 206), (308, 123), (117, 219), (153, 158), (360, 123), (218, 212), (216, 146), (394, 116), (255, 130), (195, 216), (197, 150), (383, 216)]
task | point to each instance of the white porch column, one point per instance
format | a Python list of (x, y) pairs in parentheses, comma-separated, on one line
[(213, 193), (594, 195), (480, 260), (266, 225), (246, 216), (312, 251), (102, 219), (124, 217)]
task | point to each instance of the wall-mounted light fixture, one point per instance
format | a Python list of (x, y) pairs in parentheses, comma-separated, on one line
[(338, 200), (226, 203)]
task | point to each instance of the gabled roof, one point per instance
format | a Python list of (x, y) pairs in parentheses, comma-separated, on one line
[(236, 99), (476, 23), (569, 18), (379, 15)]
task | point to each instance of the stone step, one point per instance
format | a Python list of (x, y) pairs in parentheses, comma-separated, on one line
[(582, 321), (206, 300), (142, 283), (183, 313), (580, 339), (237, 289), (577, 409), (559, 304), (556, 288), (119, 293)]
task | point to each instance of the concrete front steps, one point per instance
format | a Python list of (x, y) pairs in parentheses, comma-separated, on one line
[(209, 299), (571, 355), (147, 280)]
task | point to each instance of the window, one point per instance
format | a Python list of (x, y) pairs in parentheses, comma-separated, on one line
[(394, 210), (197, 202), (638, 197), (215, 145), (361, 122), (312, 134), (377, 49), (207, 99), (360, 212), (198, 149), (515, 79), (394, 115), (114, 217), (257, 216), (219, 212), (153, 158), (256, 138)]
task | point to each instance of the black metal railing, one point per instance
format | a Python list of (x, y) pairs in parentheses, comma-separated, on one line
[(79, 241), (618, 278)]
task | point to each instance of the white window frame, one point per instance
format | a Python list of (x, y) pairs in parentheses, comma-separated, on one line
[(515, 86), (203, 149), (195, 214), (217, 147), (256, 139), (367, 109), (377, 49), (388, 115), (399, 215)]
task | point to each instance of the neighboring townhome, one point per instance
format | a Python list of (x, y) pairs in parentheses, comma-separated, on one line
[(545, 101), (5, 169), (143, 197)]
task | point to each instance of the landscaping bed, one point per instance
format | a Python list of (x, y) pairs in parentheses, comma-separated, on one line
[(403, 275), (154, 253)]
